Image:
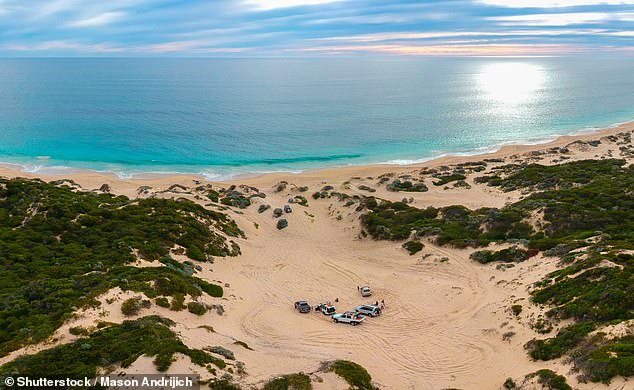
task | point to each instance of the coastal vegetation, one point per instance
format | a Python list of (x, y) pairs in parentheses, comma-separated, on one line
[(413, 247), (298, 381), (61, 248), (115, 345), (356, 376), (586, 210)]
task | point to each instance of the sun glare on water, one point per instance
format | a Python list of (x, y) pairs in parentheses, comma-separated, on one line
[(510, 84)]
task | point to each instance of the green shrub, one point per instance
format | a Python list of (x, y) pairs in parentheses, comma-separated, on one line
[(516, 310), (162, 301), (551, 381), (448, 179), (223, 384), (600, 359), (566, 339), (178, 302), (213, 195), (508, 255), (509, 384), (78, 331), (301, 200), (196, 308), (413, 247), (354, 374), (299, 381), (222, 351), (406, 186), (133, 306)]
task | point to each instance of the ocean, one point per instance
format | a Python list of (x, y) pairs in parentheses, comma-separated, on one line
[(222, 117)]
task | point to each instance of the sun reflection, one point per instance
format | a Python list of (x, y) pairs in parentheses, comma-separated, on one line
[(510, 83)]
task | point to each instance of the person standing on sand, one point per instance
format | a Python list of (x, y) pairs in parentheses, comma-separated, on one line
[(358, 288)]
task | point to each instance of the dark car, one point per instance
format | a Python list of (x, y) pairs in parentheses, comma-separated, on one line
[(302, 307)]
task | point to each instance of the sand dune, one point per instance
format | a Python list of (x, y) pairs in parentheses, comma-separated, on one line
[(445, 315)]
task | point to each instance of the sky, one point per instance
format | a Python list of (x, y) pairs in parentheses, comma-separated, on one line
[(314, 27)]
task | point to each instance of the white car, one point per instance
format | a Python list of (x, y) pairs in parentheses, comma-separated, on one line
[(365, 291), (326, 309), (349, 317), (368, 310)]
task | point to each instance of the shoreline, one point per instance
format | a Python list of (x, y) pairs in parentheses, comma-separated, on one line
[(12, 170)]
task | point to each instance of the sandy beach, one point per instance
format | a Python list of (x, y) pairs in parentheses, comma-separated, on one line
[(446, 322)]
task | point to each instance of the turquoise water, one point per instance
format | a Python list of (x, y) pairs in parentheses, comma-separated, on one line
[(220, 117)]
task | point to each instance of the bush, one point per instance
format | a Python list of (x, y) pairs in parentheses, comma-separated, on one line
[(406, 186), (516, 309), (550, 380), (354, 374), (162, 302), (133, 306), (299, 381), (223, 384), (509, 384), (508, 255), (222, 351), (448, 179), (78, 331), (178, 302), (566, 339), (413, 247), (196, 308)]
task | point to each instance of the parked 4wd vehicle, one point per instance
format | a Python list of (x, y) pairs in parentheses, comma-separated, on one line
[(302, 306), (368, 310), (326, 309), (349, 317), (365, 291)]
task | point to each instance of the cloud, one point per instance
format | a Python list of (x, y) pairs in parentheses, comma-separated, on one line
[(450, 50), (266, 5), (563, 19), (64, 46), (296, 27), (553, 3), (403, 36), (97, 21)]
